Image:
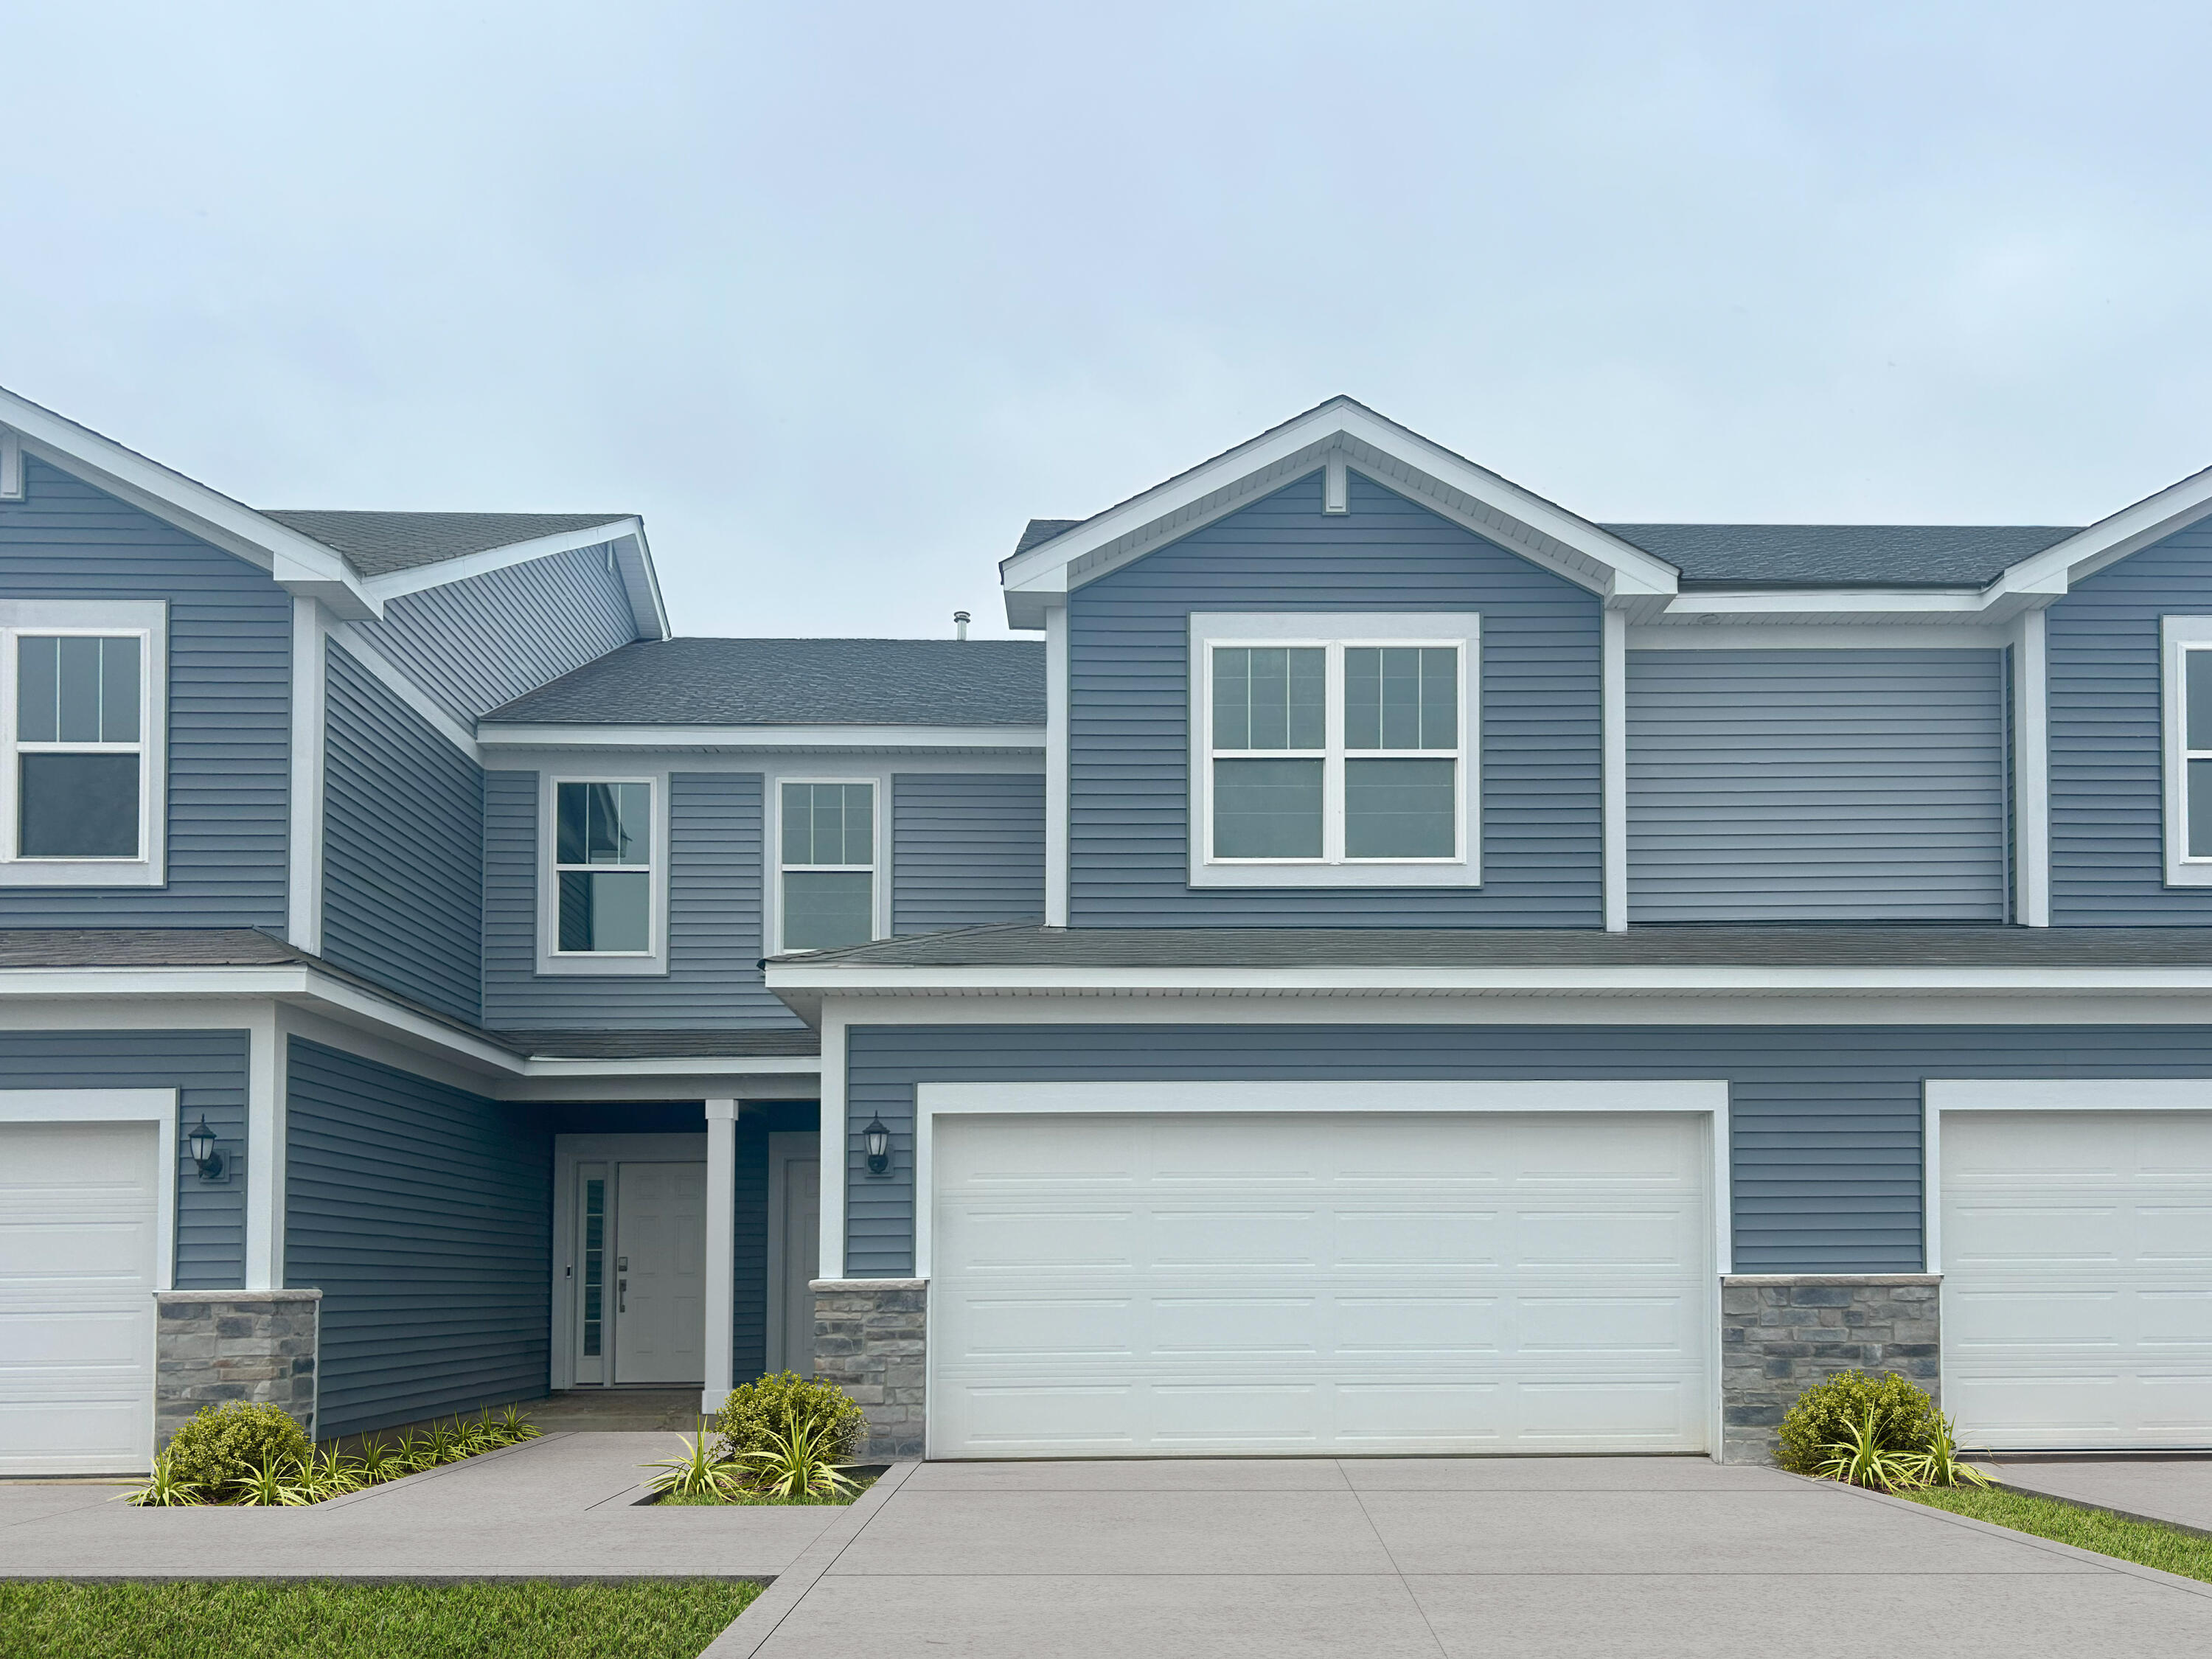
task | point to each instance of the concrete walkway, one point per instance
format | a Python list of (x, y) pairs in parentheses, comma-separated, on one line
[(2176, 1490), (563, 1506), (1382, 1558)]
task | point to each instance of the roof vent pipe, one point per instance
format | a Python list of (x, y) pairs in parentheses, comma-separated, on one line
[(960, 624)]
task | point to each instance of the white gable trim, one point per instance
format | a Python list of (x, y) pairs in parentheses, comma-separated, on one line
[(632, 563), (1339, 431), (2110, 539)]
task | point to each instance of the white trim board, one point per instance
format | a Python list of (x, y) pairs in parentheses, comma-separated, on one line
[(304, 865), (883, 739), (1942, 1095), (156, 1106)]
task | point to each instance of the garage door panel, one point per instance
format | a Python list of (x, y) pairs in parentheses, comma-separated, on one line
[(1428, 1282), (2075, 1309)]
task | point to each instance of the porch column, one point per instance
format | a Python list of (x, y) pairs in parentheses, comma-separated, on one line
[(721, 1251)]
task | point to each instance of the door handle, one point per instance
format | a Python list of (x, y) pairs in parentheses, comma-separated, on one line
[(621, 1296)]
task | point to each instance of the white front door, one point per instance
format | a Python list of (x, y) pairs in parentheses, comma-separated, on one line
[(2077, 1278), (1317, 1283), (659, 1273), (795, 1207), (79, 1255)]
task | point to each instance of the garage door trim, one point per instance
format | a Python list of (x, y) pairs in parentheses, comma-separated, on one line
[(155, 1106), (1704, 1097)]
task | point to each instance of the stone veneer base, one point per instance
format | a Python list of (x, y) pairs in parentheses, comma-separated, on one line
[(871, 1338), (1781, 1332), (210, 1346)]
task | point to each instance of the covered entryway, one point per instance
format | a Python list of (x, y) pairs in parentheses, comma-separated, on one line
[(1194, 1282), (632, 1213), (2077, 1254), (82, 1224)]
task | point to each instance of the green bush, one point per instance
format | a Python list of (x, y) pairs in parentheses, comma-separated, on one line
[(225, 1445), (758, 1415), (1826, 1415)]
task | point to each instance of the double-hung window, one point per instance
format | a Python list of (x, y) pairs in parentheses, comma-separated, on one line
[(1334, 750), (826, 865), (81, 718), (603, 867), (2187, 722)]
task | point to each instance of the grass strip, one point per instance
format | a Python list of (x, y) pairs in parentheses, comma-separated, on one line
[(2146, 1543), (331, 1619)]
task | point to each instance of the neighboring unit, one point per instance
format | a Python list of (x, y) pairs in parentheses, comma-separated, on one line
[(1397, 968)]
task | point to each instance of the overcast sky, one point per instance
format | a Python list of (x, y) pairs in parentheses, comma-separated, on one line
[(838, 295)]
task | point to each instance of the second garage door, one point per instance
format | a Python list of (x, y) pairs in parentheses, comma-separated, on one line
[(1217, 1284)]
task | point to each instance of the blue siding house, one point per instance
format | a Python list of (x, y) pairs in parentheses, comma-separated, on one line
[(1394, 966)]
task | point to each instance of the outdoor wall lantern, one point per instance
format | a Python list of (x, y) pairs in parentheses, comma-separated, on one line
[(201, 1144), (879, 1140)]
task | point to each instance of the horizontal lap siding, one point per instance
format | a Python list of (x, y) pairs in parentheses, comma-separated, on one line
[(967, 850), (424, 1215), (1826, 1121), (402, 851), (2107, 807), (1129, 660), (713, 981), (473, 645), (208, 1069), (1817, 786), (230, 654)]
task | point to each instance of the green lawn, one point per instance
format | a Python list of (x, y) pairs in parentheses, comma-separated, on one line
[(2144, 1542), (328, 1619)]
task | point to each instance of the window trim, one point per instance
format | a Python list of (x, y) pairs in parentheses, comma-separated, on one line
[(1334, 631), (2178, 637), (772, 808), (147, 621), (551, 959)]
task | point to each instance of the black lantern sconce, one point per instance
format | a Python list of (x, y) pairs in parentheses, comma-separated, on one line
[(201, 1144), (878, 1140)]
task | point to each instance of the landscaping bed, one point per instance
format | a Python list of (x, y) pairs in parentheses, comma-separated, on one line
[(258, 1457), (241, 1618), (862, 1476), (2146, 1543)]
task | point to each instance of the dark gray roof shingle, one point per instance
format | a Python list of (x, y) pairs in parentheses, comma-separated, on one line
[(691, 682), (1023, 945), (1841, 554), (378, 543)]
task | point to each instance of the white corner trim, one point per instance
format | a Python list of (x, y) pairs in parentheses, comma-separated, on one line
[(2031, 769), (2176, 635), (401, 583), (1056, 845), (880, 739), (1942, 1095), (265, 1156), (396, 680), (155, 1106), (836, 1120), (1708, 1096), (1614, 768), (721, 1272), (304, 866), (11, 464)]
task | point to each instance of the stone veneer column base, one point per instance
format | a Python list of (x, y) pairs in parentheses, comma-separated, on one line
[(1780, 1332), (871, 1338), (213, 1345)]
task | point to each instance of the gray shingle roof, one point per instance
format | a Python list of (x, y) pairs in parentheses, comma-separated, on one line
[(378, 543), (1841, 554), (691, 682), (1023, 945)]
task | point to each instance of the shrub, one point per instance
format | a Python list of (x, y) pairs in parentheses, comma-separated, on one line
[(758, 1415), (796, 1464), (225, 1446), (1900, 1415)]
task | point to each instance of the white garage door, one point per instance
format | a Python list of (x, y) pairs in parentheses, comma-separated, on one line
[(1320, 1283), (2077, 1278), (78, 1255)]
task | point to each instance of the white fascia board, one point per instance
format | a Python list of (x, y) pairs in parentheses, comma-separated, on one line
[(1834, 634), (400, 582), (304, 566), (1033, 579), (686, 1065), (892, 739), (2112, 539)]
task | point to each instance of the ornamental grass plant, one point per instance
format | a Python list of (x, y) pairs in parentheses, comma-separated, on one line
[(258, 1457)]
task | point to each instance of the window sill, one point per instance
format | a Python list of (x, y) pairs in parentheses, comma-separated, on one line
[(1360, 875), (2178, 874), (606, 966), (88, 872)]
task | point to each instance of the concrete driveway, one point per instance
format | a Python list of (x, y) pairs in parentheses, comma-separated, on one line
[(1522, 1557)]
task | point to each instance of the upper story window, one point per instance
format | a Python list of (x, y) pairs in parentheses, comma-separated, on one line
[(2187, 724), (82, 722), (605, 893), (1334, 749), (826, 863)]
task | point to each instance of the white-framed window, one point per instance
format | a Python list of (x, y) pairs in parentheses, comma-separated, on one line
[(82, 724), (829, 889), (2186, 725), (604, 899), (1335, 749)]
